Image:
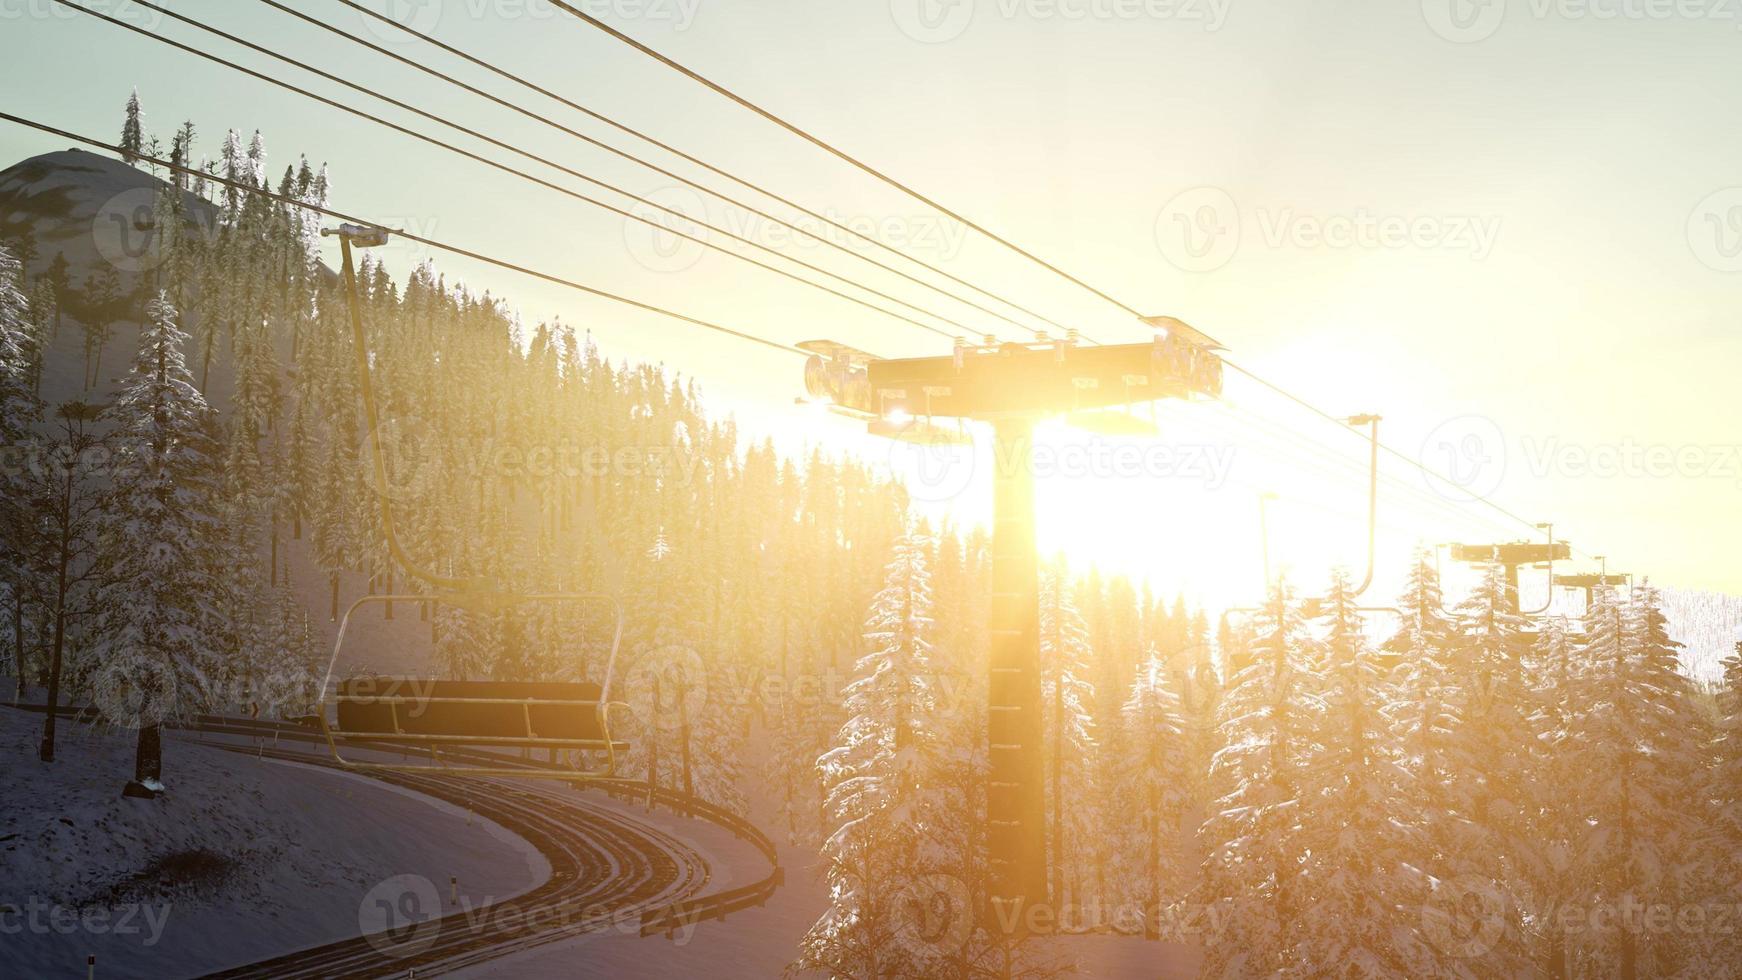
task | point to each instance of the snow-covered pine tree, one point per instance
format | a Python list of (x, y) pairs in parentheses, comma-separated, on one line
[(1366, 874), (233, 167), (1643, 804), (1492, 694), (881, 781), (1271, 716), (1725, 781), (159, 625), (1068, 710), (1481, 768), (132, 132), (100, 309), (19, 409), (1154, 789), (1561, 678)]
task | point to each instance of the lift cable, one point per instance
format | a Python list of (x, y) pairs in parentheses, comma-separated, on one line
[(650, 165), (831, 149), (408, 236), (929, 202), (511, 170), (687, 157), (1429, 471), (1406, 492)]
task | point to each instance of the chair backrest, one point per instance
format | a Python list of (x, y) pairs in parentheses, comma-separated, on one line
[(484, 712)]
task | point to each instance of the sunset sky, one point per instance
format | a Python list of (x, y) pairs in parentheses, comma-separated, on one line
[(1515, 230)]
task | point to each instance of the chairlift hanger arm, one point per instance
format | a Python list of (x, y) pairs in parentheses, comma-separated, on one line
[(372, 237)]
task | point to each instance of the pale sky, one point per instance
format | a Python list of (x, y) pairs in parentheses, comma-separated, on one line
[(1513, 229)]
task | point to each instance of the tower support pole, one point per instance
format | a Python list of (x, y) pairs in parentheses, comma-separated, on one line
[(1015, 802)]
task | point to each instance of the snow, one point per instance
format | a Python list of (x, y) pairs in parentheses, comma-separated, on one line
[(1709, 625), (760, 942), (274, 856)]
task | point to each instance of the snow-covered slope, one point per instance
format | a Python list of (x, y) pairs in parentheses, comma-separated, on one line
[(242, 860), (1708, 624)]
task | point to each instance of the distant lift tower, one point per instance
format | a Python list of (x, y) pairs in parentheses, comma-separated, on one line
[(1011, 386), (1513, 555)]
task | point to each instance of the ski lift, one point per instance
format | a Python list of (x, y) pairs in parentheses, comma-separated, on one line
[(460, 723), (1512, 555), (1372, 422)]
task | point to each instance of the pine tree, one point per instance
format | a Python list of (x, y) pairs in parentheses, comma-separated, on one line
[(64, 498), (1643, 802), (1153, 791), (101, 309), (1368, 865), (19, 410), (157, 610), (132, 132), (1724, 780), (879, 777), (59, 279), (1490, 690), (1271, 716), (1068, 705)]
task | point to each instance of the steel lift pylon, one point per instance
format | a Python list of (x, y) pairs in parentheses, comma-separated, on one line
[(1012, 386)]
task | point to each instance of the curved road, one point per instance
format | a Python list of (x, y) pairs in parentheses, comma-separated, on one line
[(605, 870)]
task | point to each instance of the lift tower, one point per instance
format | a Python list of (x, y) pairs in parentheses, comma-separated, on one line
[(1513, 555), (1590, 582), (1011, 386)]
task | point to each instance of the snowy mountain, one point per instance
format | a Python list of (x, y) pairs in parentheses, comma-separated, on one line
[(1708, 624)]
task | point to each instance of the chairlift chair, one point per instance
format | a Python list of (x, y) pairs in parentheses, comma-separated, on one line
[(458, 723)]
